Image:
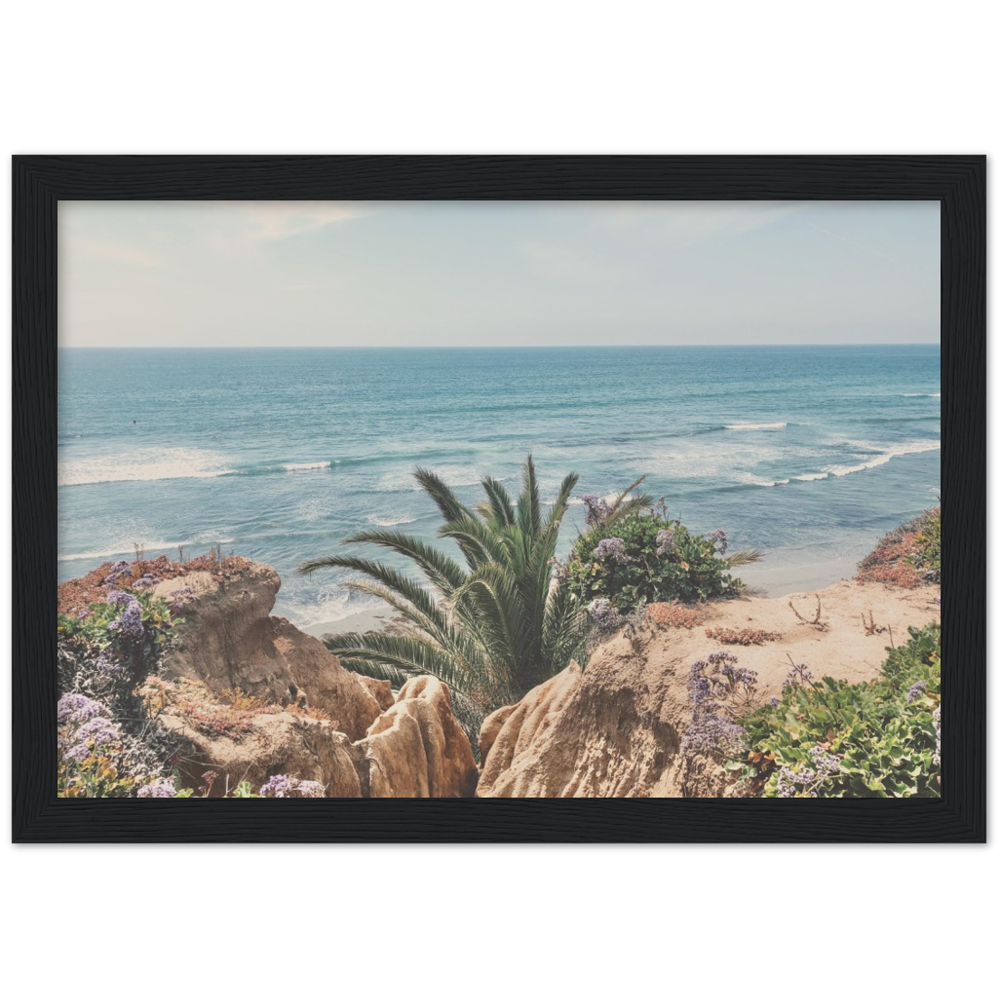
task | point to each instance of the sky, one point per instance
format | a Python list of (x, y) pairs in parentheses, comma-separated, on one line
[(466, 274)]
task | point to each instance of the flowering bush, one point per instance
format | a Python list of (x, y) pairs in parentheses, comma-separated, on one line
[(645, 557), (89, 750), (281, 786), (883, 735), (611, 550), (126, 631), (605, 615), (719, 691)]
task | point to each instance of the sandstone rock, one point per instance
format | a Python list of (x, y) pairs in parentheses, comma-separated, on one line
[(229, 640), (615, 729), (282, 743), (417, 748), (490, 730), (381, 691)]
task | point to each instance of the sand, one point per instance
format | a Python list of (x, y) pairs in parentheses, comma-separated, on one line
[(764, 580), (843, 649), (373, 620)]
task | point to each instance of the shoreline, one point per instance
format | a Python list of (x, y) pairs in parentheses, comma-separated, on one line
[(369, 620), (761, 580)]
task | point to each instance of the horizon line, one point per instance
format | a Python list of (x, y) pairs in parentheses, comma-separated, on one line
[(471, 347)]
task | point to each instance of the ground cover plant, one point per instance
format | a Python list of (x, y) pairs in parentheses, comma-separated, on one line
[(908, 555)]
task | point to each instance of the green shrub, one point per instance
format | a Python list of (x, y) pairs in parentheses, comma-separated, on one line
[(128, 630), (927, 557), (644, 557), (836, 739)]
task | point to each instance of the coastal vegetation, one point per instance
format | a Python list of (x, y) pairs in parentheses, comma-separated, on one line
[(831, 738), (633, 554), (824, 737), (908, 555), (499, 623), (492, 628), (113, 630)]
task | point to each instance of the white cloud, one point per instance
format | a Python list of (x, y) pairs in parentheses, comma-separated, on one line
[(107, 250), (280, 220), (244, 227)]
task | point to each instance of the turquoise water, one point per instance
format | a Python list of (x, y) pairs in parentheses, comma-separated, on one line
[(808, 453)]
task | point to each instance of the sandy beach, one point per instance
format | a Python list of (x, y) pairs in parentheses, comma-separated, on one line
[(762, 580)]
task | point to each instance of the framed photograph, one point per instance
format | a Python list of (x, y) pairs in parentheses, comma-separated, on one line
[(499, 498)]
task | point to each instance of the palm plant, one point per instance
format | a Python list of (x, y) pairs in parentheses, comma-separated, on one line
[(494, 627)]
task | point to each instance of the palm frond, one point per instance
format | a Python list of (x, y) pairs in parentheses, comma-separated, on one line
[(497, 628), (408, 654), (500, 507), (493, 595), (529, 504), (390, 578), (431, 620), (562, 497), (744, 557), (441, 570), (626, 502), (476, 536), (449, 505)]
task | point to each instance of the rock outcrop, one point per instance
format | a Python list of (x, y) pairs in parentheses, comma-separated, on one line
[(282, 743), (229, 640), (363, 741), (615, 729), (416, 749)]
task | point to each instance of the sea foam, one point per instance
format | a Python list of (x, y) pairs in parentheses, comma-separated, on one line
[(143, 466)]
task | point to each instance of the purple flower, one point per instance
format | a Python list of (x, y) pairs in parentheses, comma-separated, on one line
[(936, 716), (597, 510), (807, 779), (719, 540), (310, 789), (717, 689), (157, 790), (665, 542), (711, 734), (129, 622), (605, 615), (799, 674), (281, 786), (146, 580), (775, 702), (106, 665), (612, 549), (181, 596), (98, 731), (277, 787), (915, 690), (74, 709), (120, 569)]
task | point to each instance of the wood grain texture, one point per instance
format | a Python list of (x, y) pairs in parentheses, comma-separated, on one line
[(958, 182)]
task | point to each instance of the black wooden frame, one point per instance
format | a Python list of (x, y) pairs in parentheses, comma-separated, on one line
[(957, 182)]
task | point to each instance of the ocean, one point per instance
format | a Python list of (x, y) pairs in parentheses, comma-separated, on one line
[(806, 453)]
